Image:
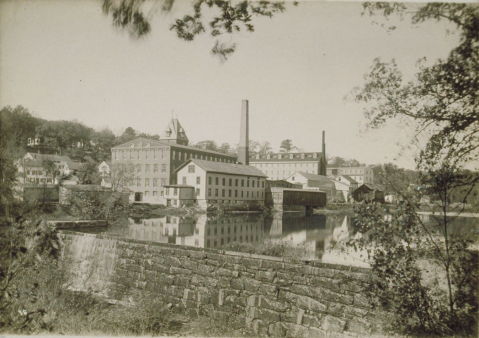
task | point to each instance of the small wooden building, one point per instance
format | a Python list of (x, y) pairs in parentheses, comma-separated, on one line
[(369, 192), (178, 195)]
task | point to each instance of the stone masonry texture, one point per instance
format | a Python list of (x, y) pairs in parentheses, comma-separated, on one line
[(269, 297)]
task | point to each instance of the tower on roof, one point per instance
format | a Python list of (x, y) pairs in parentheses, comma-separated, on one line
[(174, 133)]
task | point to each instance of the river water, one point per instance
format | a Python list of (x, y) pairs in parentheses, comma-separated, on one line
[(319, 236)]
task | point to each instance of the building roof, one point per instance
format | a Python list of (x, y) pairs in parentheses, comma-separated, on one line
[(108, 163), (160, 143), (73, 165), (174, 132), (285, 157), (346, 177), (226, 168), (38, 158), (314, 177), (373, 186)]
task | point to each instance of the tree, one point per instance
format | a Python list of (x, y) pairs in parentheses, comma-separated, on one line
[(89, 173), (103, 141), (442, 101), (228, 18), (265, 148), (51, 169), (225, 148), (207, 145), (128, 135), (287, 146), (19, 124), (122, 175)]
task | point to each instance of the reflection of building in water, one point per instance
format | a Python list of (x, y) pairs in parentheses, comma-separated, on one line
[(215, 233), (318, 233), (200, 232)]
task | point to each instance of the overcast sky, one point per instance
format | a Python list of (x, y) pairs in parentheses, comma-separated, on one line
[(64, 60)]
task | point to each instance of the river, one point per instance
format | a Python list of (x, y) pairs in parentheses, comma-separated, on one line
[(320, 236)]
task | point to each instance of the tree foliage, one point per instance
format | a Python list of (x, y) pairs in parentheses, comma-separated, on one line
[(443, 98), (228, 18), (286, 146)]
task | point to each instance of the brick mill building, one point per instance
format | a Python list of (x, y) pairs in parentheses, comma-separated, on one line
[(156, 161)]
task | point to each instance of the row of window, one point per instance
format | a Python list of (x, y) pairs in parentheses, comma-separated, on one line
[(162, 154), (259, 194), (155, 168), (290, 156), (302, 165), (237, 182), (147, 182)]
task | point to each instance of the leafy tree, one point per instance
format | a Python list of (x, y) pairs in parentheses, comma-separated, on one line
[(103, 141), (207, 145), (442, 101), (51, 169), (225, 148), (122, 175), (228, 18), (19, 124), (443, 98), (265, 148), (287, 146), (89, 173), (128, 135)]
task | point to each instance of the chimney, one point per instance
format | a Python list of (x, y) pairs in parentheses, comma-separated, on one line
[(324, 162), (243, 153)]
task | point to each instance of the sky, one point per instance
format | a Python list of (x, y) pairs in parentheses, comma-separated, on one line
[(63, 60)]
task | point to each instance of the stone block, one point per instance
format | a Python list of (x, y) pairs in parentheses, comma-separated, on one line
[(276, 330), (295, 331), (328, 283), (282, 282), (359, 325), (173, 261), (226, 273), (180, 271), (252, 285), (335, 309), (189, 264), (266, 276), (167, 280), (361, 301), (205, 270), (336, 297), (182, 281), (197, 280), (267, 303), (350, 311), (294, 315), (223, 282), (266, 315), (317, 333), (311, 321), (333, 324), (200, 255), (237, 283), (310, 304)]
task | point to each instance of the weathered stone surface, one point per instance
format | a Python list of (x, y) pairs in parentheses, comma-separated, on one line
[(359, 325), (361, 301), (329, 283), (173, 261), (333, 324), (266, 315), (252, 285), (276, 330), (308, 303), (266, 276), (237, 283), (267, 303), (317, 333), (296, 331), (205, 270), (311, 321), (294, 315)]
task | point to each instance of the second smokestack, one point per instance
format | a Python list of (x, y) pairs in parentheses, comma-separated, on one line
[(243, 152)]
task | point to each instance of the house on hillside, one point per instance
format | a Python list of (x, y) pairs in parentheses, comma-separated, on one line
[(32, 171), (104, 168), (369, 192), (222, 182)]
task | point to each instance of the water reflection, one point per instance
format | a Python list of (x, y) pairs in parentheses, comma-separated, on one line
[(319, 234)]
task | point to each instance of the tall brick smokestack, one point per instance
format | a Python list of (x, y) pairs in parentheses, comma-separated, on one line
[(323, 159), (243, 153)]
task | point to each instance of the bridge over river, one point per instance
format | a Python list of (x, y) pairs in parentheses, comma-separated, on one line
[(284, 199)]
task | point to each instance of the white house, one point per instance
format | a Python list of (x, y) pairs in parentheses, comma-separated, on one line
[(314, 182), (222, 182), (104, 168)]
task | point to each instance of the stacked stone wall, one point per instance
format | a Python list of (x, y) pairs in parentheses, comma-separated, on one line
[(267, 296)]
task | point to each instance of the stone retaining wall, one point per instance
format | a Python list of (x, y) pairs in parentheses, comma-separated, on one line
[(266, 295)]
